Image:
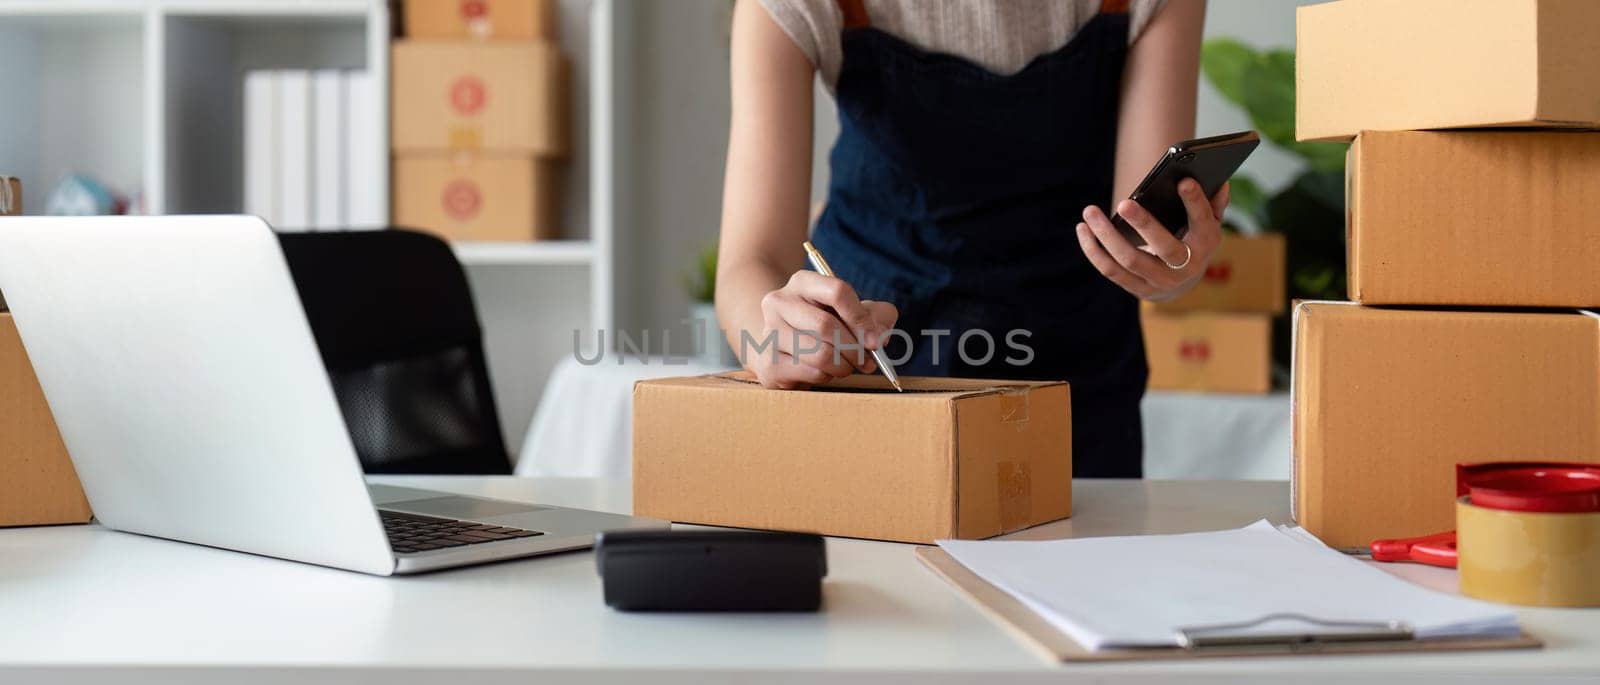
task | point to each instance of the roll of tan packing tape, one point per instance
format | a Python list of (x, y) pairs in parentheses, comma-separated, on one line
[(1529, 558)]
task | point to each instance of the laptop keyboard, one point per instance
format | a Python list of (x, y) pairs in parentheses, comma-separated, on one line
[(410, 533)]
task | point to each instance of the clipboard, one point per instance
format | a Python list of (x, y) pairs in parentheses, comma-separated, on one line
[(1038, 634)]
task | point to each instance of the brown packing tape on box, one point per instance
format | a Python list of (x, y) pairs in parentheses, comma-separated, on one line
[(1479, 218), (1423, 64), (1246, 274), (1007, 410), (478, 198), (39, 485), (1208, 351), (482, 19), (1386, 402), (498, 97), (949, 458)]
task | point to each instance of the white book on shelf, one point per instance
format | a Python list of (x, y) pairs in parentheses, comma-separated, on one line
[(328, 151), (261, 145), (295, 107), (367, 152)]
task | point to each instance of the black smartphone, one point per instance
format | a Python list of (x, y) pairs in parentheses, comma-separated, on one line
[(1210, 161)]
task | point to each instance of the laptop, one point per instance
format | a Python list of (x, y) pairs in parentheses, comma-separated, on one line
[(190, 393)]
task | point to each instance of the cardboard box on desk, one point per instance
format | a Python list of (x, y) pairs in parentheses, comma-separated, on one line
[(476, 197), (520, 19), (1388, 401), (1482, 218), (949, 458), (497, 96), (1246, 274), (1208, 351), (1422, 64), (38, 485)]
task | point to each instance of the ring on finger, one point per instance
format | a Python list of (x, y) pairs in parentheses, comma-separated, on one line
[(1188, 254)]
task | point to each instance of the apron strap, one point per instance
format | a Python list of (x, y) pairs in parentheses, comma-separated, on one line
[(1113, 6), (855, 13)]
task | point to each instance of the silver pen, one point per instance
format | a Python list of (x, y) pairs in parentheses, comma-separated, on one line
[(821, 265)]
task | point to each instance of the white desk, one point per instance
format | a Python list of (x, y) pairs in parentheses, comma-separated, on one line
[(85, 604)]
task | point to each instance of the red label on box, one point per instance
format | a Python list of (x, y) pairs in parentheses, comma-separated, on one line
[(462, 200), (467, 95), (474, 9), (1194, 350), (1219, 272)]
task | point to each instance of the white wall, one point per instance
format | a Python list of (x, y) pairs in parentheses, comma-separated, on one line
[(672, 140), (674, 122)]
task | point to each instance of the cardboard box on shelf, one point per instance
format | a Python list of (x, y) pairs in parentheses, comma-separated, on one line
[(1246, 274), (1423, 64), (478, 197), (1388, 401), (1482, 218), (948, 458), (495, 96), (518, 19), (1208, 351), (38, 485)]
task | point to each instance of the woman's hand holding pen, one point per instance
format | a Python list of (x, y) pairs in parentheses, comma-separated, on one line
[(804, 316), (1165, 268)]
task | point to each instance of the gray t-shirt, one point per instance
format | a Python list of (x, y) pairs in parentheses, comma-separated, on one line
[(1002, 36)]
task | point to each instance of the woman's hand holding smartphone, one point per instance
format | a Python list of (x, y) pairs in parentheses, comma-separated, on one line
[(1160, 240), (1165, 267)]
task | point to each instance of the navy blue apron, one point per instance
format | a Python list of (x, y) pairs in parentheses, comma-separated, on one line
[(954, 194)]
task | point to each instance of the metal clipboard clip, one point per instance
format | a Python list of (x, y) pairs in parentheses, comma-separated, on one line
[(1228, 634)]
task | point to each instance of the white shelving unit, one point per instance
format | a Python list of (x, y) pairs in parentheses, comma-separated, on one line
[(515, 254), (145, 95)]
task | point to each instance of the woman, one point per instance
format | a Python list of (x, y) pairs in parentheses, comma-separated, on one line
[(973, 135)]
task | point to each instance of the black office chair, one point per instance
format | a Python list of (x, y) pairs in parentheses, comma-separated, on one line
[(394, 318)]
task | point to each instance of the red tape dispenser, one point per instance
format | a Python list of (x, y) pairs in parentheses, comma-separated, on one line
[(1526, 533), (1438, 549)]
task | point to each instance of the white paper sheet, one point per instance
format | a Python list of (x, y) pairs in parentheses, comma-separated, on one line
[(1139, 591)]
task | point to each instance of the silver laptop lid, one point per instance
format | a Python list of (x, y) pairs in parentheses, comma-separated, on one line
[(187, 386)]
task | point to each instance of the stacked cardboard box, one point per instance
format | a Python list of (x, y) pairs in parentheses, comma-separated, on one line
[(1218, 337), (480, 100), (1483, 233)]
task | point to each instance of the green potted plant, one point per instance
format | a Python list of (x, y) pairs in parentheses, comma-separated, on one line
[(1309, 209), (700, 283)]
